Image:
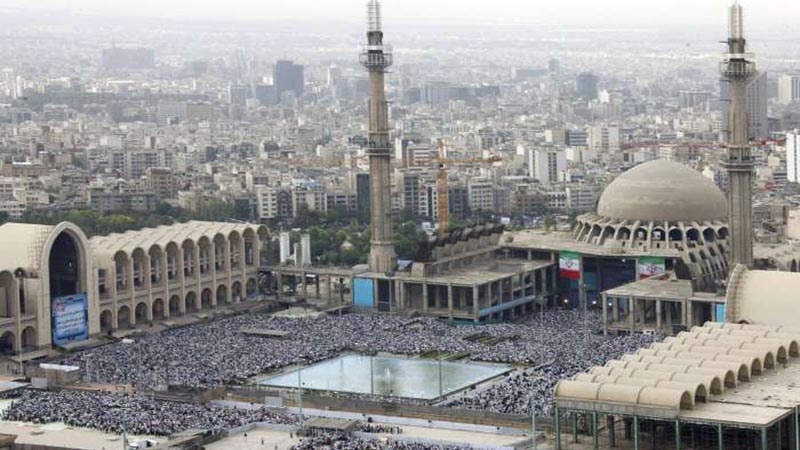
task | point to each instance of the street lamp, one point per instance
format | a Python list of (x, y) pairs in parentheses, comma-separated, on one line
[(371, 376), (533, 426), (300, 390), (441, 387)]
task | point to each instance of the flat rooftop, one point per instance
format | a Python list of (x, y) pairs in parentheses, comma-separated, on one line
[(774, 389), (734, 415), (473, 275), (654, 288), (559, 241)]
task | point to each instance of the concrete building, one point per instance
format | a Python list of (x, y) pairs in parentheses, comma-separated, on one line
[(546, 164), (267, 202), (377, 58), (586, 86), (604, 138), (757, 99), (121, 196), (134, 164), (658, 219), (117, 58), (726, 385), (59, 288), (169, 271), (288, 76), (739, 162), (788, 88), (463, 276), (481, 195), (162, 182), (793, 156)]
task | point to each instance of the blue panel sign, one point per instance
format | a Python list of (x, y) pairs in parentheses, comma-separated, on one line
[(364, 292), (721, 310), (70, 318)]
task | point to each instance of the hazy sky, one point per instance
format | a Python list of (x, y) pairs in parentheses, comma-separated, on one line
[(760, 13)]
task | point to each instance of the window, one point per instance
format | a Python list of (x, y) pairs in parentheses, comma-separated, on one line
[(155, 270), (101, 281), (122, 282)]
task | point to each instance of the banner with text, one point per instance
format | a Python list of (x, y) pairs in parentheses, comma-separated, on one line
[(650, 267), (569, 265), (70, 318)]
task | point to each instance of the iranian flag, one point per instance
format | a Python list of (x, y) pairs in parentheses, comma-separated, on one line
[(650, 267), (569, 265)]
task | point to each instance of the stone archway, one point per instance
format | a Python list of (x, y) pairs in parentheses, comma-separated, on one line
[(191, 302), (65, 272), (174, 306), (158, 309), (206, 299), (141, 312), (251, 288), (236, 292), (124, 317), (29, 338), (8, 343), (106, 321), (65, 264), (222, 294)]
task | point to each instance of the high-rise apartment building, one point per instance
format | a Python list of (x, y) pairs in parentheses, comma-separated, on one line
[(238, 94), (116, 58), (554, 66), (757, 99), (792, 156), (576, 138), (288, 76), (586, 86), (546, 164), (789, 88), (604, 138)]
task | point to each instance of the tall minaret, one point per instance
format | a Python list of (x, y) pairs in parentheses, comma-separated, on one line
[(738, 71), (377, 58)]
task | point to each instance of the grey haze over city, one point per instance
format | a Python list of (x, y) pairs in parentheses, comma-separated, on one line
[(399, 224), (614, 12)]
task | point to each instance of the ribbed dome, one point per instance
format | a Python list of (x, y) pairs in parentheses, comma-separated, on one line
[(663, 190)]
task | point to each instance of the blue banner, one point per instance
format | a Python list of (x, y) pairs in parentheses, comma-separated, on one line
[(70, 318), (721, 311), (364, 292)]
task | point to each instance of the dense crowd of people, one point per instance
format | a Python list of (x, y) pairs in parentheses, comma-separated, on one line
[(549, 347), (218, 352), (341, 441), (569, 344), (139, 415)]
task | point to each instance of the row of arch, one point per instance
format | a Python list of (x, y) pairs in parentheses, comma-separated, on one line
[(707, 263), (598, 231), (28, 340), (149, 267), (162, 309)]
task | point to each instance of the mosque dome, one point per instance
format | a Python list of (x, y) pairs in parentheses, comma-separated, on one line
[(663, 190)]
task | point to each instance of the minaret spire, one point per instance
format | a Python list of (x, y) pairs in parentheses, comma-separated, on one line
[(376, 58), (738, 70)]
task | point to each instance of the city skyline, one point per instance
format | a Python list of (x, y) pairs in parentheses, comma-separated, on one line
[(513, 12)]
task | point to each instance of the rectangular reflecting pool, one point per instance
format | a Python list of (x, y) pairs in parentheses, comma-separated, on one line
[(386, 375)]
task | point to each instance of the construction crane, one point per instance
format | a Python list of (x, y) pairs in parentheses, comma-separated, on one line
[(443, 191), (442, 185)]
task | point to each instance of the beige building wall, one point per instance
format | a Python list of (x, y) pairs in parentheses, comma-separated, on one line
[(793, 224), (129, 278)]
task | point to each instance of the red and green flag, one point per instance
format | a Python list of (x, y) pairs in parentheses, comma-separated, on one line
[(650, 267), (569, 265)]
